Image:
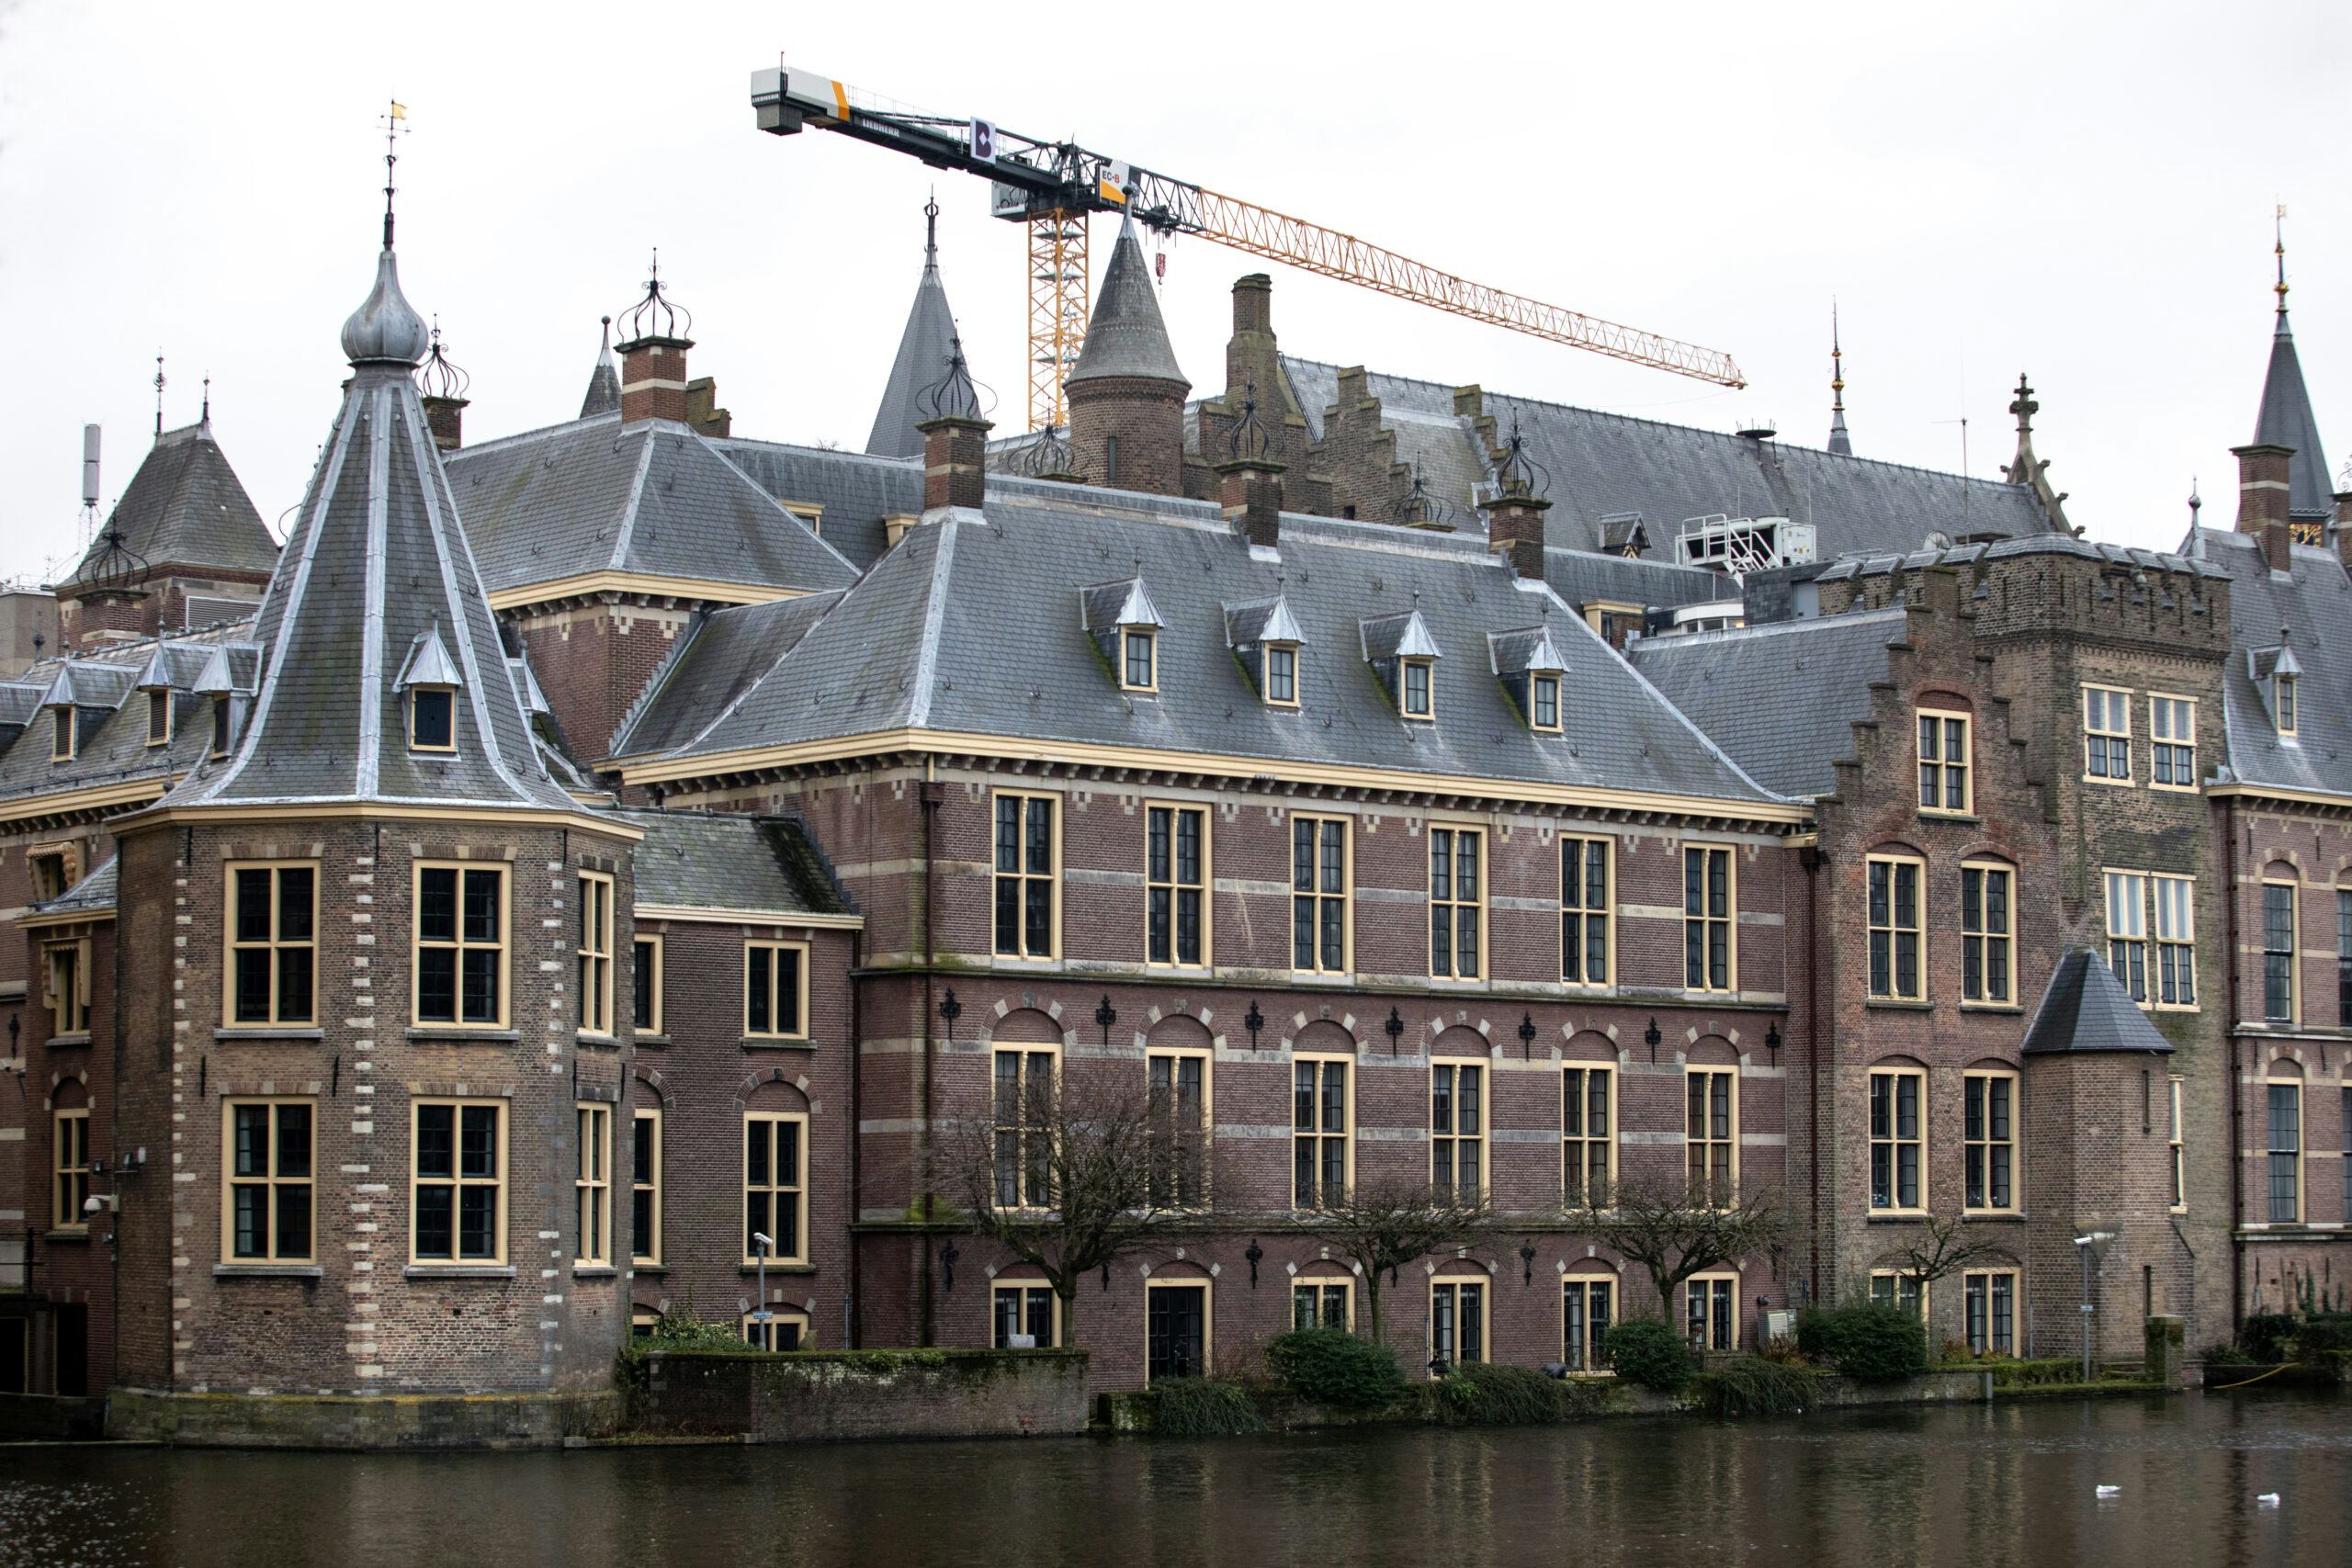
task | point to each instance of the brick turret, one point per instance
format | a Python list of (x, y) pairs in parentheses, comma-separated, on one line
[(1126, 396)]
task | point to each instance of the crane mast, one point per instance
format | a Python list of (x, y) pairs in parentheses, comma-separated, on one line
[(1053, 186)]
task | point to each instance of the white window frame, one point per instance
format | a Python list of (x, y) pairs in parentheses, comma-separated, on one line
[(1579, 916), (1981, 1145), (2100, 735), (1449, 908), (1889, 1142), (1980, 942), (2172, 742), (1579, 1144), (1888, 936), (1939, 769)]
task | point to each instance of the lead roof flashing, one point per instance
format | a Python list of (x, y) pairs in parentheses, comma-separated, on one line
[(1109, 606), (1405, 636), (1262, 621), (428, 662), (1527, 651)]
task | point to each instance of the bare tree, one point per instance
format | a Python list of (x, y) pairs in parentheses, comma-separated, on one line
[(1673, 1231), (1943, 1245), (1071, 1178), (1383, 1225)]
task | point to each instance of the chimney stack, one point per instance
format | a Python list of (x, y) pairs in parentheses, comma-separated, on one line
[(1250, 491), (2262, 499), (442, 386), (2343, 527), (653, 359), (1515, 513), (955, 436)]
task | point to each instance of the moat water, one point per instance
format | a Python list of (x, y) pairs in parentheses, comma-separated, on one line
[(2014, 1483)]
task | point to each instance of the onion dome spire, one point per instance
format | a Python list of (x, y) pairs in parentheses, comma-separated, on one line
[(386, 330)]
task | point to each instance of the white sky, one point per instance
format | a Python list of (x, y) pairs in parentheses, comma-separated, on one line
[(2082, 191)]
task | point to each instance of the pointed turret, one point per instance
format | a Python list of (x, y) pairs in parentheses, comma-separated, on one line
[(923, 348), (1126, 396), (605, 381), (1839, 442), (2029, 471), (2286, 420)]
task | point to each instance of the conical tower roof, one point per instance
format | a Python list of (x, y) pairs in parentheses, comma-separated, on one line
[(185, 507), (2287, 420), (924, 350), (603, 383), (1126, 336)]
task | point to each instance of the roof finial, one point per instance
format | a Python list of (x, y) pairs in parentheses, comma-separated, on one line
[(394, 129), (159, 394), (205, 415), (2196, 504), (954, 395), (2025, 408), (657, 315), (2279, 249), (1839, 441), (931, 231)]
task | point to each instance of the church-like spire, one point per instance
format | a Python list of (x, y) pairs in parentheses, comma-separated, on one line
[(923, 348), (605, 381), (1126, 338), (2029, 471), (385, 329), (2286, 418), (1839, 441)]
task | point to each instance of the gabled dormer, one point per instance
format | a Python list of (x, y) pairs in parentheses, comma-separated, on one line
[(1265, 636), (154, 688), (1529, 665), (226, 683), (1404, 656), (2277, 674), (79, 696), (1125, 624), (428, 684)]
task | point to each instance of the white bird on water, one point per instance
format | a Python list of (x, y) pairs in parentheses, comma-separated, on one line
[(2267, 1500), (2111, 1491)]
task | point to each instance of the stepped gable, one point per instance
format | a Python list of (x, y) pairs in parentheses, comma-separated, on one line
[(185, 507)]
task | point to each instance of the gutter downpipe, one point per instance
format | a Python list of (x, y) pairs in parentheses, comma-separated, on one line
[(929, 798), (1810, 858), (2236, 1088)]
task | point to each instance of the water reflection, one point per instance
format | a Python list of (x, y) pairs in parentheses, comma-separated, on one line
[(2010, 1484)]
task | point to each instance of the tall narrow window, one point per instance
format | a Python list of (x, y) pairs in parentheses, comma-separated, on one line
[(1024, 1095), (1544, 696), (2176, 941), (1322, 1301), (2180, 1163), (1179, 1127), (458, 1197), (68, 973), (462, 944), (1175, 883), (1318, 903), (1896, 973), (2343, 960), (273, 937), (159, 718), (1989, 1140), (2279, 952), (61, 735), (2107, 734), (775, 1185), (2343, 1125), (2284, 686), (1987, 933), (1706, 918), (1711, 1304), (1943, 762), (592, 1184), (1319, 1118), (1588, 1306), (1282, 674), (2172, 742), (1897, 1148), (1457, 1321), (1025, 875), (269, 1195), (2286, 1153), (645, 1187), (645, 985), (431, 719), (1584, 911), (593, 972), (1457, 899), (1139, 669), (1458, 1129), (2127, 931), (1588, 1146), (775, 990), (1990, 1298), (1414, 685), (1710, 1134), (1024, 1309), (1892, 1287), (223, 722), (69, 1169)]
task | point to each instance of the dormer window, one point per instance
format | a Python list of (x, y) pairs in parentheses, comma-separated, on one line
[(1265, 639), (1138, 665), (224, 724), (1282, 674), (1414, 695), (1546, 703), (2283, 701), (1403, 655), (61, 735), (1119, 618), (159, 718), (431, 719)]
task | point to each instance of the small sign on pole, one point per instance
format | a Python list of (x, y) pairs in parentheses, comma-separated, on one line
[(984, 140)]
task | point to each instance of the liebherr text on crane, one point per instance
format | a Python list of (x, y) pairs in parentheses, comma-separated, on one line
[(1053, 185)]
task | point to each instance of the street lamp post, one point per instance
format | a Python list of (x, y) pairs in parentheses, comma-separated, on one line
[(761, 1315), (2086, 1244)]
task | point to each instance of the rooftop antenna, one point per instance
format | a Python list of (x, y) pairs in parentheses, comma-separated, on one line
[(89, 484), (205, 416), (2279, 249), (159, 394), (394, 121)]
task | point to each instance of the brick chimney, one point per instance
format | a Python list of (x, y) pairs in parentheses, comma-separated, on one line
[(955, 462), (446, 418), (442, 386), (1250, 491), (2343, 527), (2262, 499), (1515, 531), (653, 378)]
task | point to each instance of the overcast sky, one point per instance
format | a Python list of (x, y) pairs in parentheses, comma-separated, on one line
[(2080, 191)]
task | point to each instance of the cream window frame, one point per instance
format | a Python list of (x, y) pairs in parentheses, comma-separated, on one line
[(1591, 1357), (1020, 1286), (41, 885), (593, 954), (159, 701), (1320, 1136), (775, 1186), (761, 1336), (1208, 1316), (1893, 1141), (645, 1116), (1322, 1281), (1203, 887), (1447, 875), (1538, 685), (65, 981), (639, 944), (1578, 1147), (1130, 637), (2125, 905), (64, 733), (458, 1182), (1978, 946), (68, 1166), (1968, 1287), (1199, 1136), (1713, 1139), (1426, 670), (2286, 700), (773, 995), (1711, 1320), (1452, 1137), (1708, 922), (1936, 771), (2103, 735), (268, 1181), (1319, 897), (2293, 951), (460, 944), (1291, 651), (2166, 751), (2172, 943), (1894, 930), (1895, 1280), (445, 693), (1023, 877), (275, 945), (224, 727), (1578, 917), (1024, 1127), (1979, 1140), (2177, 1145), (1454, 1282), (592, 1184), (2270, 1151)]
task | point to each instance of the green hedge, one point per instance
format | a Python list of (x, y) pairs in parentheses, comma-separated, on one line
[(1750, 1385), (1647, 1351), (1331, 1366), (1871, 1342), (1202, 1408), (1480, 1393)]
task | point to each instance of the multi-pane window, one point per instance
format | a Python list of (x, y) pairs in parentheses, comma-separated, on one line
[(1024, 1095), (2179, 1161), (69, 1169), (462, 944), (61, 735), (592, 1184), (1989, 1140), (2172, 742), (1706, 918), (1588, 1306), (1990, 1298), (1179, 1127), (775, 1185), (273, 935), (1138, 671), (2344, 1124), (781, 1332), (2107, 734), (1943, 762), (1892, 1287), (458, 1198), (1322, 1303), (1413, 685), (593, 969), (1711, 1312), (1458, 1128), (1282, 674), (1457, 898), (645, 985), (2286, 1153), (1025, 875), (159, 718), (1024, 1307), (1175, 883), (1895, 935), (1987, 933), (1710, 1134), (775, 989), (2344, 958), (1319, 1116), (1318, 901), (1897, 1144), (2279, 952), (2176, 941), (269, 1193), (645, 1187), (1587, 1146), (2127, 931), (1544, 698), (2283, 690), (1457, 1321), (433, 718), (1584, 911), (223, 722), (66, 970)]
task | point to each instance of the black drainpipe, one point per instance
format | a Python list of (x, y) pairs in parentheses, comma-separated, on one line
[(931, 798), (1810, 858), (2236, 1090)]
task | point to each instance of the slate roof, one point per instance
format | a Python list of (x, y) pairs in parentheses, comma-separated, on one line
[(110, 743), (604, 394), (185, 507), (1781, 699), (654, 497), (1583, 576), (714, 663), (857, 492), (2006, 550), (727, 862), (94, 894), (1126, 336), (2086, 1009), (969, 625), (2286, 420), (1605, 464), (921, 360), (2312, 606)]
